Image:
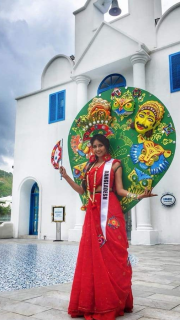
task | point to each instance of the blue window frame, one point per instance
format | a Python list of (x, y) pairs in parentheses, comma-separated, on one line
[(174, 66), (114, 80), (57, 106)]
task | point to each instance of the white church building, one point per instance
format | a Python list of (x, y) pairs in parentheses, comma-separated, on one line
[(144, 47)]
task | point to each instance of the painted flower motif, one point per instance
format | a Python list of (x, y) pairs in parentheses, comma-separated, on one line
[(116, 92), (113, 223), (136, 93), (101, 240)]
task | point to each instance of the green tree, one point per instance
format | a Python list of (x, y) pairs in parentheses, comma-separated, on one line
[(5, 211), (5, 183)]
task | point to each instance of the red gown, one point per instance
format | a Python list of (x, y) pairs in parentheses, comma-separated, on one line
[(101, 287)]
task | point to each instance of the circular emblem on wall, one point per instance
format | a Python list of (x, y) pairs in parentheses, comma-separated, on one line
[(168, 200)]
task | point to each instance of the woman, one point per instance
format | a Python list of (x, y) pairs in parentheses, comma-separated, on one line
[(101, 288)]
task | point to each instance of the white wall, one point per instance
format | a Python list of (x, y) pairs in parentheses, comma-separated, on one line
[(86, 22), (57, 71), (35, 139), (108, 46), (140, 23), (166, 220), (168, 29)]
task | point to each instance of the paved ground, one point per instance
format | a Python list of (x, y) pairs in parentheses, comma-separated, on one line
[(156, 288)]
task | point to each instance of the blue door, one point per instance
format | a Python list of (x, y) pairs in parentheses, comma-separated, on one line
[(34, 210)]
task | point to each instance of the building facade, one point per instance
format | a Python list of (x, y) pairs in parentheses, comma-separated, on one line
[(144, 47)]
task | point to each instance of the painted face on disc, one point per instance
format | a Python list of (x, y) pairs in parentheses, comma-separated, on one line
[(144, 121)]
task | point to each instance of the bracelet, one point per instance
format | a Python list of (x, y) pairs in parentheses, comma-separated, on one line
[(132, 196)]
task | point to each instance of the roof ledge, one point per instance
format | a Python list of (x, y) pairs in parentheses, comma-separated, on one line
[(82, 8)]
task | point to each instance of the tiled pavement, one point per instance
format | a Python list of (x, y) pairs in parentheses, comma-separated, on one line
[(156, 289)]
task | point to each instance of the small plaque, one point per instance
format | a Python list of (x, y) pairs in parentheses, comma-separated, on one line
[(168, 200), (58, 214)]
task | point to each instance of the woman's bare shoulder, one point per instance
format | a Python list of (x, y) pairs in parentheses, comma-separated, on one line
[(116, 164)]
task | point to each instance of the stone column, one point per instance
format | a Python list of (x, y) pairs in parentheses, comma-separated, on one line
[(144, 233), (133, 218), (82, 84)]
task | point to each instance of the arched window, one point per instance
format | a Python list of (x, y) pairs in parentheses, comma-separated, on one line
[(34, 210), (174, 63), (114, 80)]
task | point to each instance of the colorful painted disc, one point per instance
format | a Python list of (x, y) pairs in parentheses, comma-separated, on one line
[(141, 134), (56, 155)]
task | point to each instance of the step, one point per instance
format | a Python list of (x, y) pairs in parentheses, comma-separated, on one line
[(27, 236)]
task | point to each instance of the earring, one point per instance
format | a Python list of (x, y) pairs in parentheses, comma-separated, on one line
[(92, 158), (107, 157)]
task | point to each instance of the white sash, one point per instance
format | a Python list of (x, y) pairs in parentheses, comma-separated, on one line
[(105, 195)]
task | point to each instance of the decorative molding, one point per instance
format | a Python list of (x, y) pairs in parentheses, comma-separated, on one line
[(170, 45), (140, 57), (82, 79)]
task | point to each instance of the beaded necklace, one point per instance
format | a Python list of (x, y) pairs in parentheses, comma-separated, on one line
[(94, 182)]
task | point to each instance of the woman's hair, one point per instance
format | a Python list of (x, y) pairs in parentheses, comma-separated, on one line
[(102, 139)]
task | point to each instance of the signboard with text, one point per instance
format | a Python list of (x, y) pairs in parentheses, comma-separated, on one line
[(58, 214)]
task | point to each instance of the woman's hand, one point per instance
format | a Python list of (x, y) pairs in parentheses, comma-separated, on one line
[(72, 183), (146, 194), (62, 171)]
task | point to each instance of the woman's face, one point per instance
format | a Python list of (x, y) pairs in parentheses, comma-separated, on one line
[(99, 148)]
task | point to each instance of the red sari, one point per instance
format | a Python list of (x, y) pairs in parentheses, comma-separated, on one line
[(101, 287)]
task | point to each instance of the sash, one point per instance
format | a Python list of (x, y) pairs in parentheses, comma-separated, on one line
[(105, 195)]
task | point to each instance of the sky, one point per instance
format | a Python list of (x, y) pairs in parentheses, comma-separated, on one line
[(31, 33)]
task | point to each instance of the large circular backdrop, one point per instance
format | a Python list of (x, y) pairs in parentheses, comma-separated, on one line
[(141, 134)]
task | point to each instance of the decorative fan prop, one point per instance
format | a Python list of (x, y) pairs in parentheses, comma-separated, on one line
[(141, 133), (57, 155)]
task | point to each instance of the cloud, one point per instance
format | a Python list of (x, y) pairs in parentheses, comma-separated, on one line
[(31, 33)]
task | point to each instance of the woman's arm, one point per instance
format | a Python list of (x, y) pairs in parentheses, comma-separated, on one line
[(119, 185), (73, 184)]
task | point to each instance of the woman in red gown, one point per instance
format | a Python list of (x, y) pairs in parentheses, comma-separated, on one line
[(101, 287)]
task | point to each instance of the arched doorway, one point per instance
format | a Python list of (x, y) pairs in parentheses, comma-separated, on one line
[(34, 210)]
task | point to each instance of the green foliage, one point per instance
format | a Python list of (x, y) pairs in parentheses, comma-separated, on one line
[(5, 183), (5, 211)]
